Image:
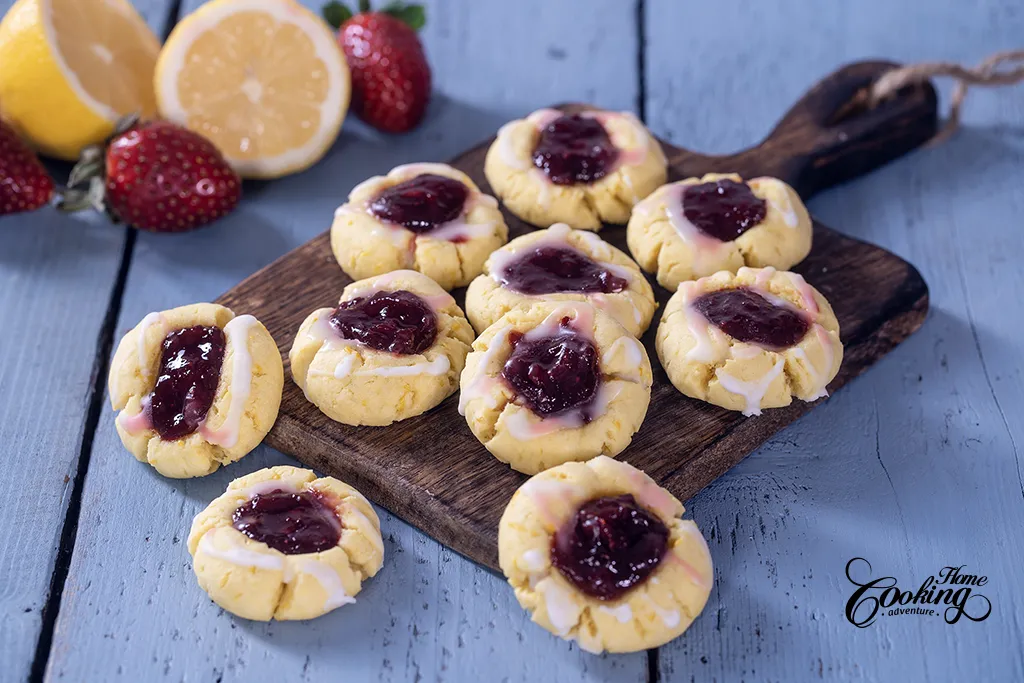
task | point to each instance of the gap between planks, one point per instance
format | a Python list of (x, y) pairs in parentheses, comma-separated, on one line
[(93, 411)]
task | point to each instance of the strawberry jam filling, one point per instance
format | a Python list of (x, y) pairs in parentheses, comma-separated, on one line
[(747, 316), (421, 203), (398, 322), (575, 149), (546, 270), (723, 209), (609, 546), (190, 363), (554, 374), (292, 522)]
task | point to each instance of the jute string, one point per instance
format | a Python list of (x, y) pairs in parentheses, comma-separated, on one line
[(1002, 68)]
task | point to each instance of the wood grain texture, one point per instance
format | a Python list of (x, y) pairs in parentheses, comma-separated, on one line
[(56, 275), (433, 473), (132, 610), (916, 464)]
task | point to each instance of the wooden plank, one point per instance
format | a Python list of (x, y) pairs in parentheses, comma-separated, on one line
[(132, 609), (56, 275), (915, 466)]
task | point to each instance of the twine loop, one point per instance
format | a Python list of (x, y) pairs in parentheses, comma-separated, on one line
[(1002, 68)]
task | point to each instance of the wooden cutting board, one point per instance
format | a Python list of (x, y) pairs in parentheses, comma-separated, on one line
[(432, 472)]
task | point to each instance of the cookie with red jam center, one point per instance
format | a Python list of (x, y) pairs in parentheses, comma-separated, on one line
[(281, 543), (583, 168), (393, 348), (430, 218), (598, 553), (196, 387), (555, 382)]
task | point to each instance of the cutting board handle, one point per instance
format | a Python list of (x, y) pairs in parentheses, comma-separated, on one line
[(830, 136)]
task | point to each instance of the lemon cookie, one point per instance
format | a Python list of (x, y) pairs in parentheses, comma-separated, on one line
[(197, 387), (555, 382), (598, 553), (392, 349), (561, 264), (699, 226), (751, 340), (281, 543), (583, 169), (426, 217)]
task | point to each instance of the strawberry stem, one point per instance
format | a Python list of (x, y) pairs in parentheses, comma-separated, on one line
[(412, 15), (336, 14)]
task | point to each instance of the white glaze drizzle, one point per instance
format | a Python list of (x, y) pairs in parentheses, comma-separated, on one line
[(140, 343), (634, 356), (237, 333), (436, 367), (785, 208), (344, 367), (478, 387), (533, 561), (140, 422), (506, 152), (649, 494), (805, 291), (632, 152), (622, 613), (235, 553), (763, 277), (552, 497), (456, 229), (752, 392), (325, 575), (669, 617), (372, 533), (269, 486), (563, 612), (524, 425), (710, 343), (705, 247)]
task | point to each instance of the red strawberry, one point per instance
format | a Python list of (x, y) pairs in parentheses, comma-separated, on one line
[(390, 74), (155, 176), (24, 183)]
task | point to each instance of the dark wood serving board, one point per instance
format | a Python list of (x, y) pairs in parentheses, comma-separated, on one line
[(433, 473)]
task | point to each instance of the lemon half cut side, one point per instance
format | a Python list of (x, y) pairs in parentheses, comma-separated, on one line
[(264, 80)]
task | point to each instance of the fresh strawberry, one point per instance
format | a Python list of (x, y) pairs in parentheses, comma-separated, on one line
[(24, 183), (390, 74), (154, 176)]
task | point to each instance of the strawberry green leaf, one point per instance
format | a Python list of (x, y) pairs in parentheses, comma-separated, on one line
[(364, 6), (413, 15), (336, 14)]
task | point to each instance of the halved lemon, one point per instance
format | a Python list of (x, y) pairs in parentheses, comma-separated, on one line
[(264, 80), (69, 69)]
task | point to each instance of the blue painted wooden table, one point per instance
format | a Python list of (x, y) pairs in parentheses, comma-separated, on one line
[(915, 466)]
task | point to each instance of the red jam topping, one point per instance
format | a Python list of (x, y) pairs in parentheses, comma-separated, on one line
[(554, 374), (575, 149), (723, 209), (548, 269), (421, 203), (294, 523), (609, 546), (747, 316), (190, 362), (399, 322)]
